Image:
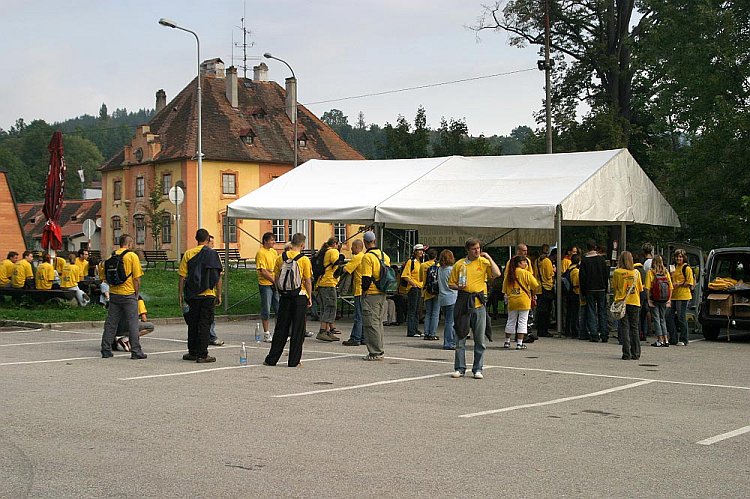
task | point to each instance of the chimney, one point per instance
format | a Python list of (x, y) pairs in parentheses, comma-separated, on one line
[(213, 67), (161, 99), (291, 99), (260, 72), (231, 86)]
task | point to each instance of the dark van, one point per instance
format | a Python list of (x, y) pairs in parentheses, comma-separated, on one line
[(725, 287)]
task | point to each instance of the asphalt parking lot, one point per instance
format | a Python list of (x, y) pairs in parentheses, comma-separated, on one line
[(564, 418)]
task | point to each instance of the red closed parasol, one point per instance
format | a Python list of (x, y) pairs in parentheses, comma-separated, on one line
[(53, 193)]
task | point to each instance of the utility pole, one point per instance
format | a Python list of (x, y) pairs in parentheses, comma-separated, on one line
[(546, 66)]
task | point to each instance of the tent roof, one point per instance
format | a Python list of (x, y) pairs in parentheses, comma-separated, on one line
[(517, 192)]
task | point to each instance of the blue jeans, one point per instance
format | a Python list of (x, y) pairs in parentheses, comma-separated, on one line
[(477, 323), (659, 316), (212, 332), (356, 335), (431, 317), (677, 322), (269, 299), (449, 335), (412, 313), (596, 314)]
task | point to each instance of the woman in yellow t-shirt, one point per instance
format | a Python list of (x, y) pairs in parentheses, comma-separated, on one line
[(519, 285), (683, 282), (627, 285), (658, 301)]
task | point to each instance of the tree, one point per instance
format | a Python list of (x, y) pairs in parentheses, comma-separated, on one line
[(397, 139), (155, 212), (335, 118), (103, 112), (421, 136)]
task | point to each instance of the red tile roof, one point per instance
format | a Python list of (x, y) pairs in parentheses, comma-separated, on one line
[(223, 126), (33, 220)]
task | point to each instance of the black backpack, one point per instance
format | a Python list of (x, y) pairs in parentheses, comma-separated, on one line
[(387, 274), (431, 284), (114, 269)]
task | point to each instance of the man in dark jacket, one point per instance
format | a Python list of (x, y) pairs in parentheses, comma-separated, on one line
[(594, 281)]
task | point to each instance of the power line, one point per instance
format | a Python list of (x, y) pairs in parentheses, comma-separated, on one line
[(418, 87)]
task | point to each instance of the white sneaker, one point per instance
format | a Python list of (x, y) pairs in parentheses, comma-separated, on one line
[(309, 334), (680, 343), (457, 374), (267, 337), (478, 375)]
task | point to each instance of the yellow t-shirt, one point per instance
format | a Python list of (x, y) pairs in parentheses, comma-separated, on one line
[(71, 276), (546, 274), (423, 278), (519, 294), (265, 259), (6, 272), (622, 279), (650, 275), (84, 266), (370, 267), (565, 264), (60, 264), (133, 270), (183, 270), (412, 268), (305, 268), (352, 267), (45, 274), (141, 307), (329, 261), (681, 292), (478, 273), (575, 281), (21, 271), (507, 267)]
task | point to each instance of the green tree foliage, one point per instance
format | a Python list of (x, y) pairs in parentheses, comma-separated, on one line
[(155, 212), (364, 139)]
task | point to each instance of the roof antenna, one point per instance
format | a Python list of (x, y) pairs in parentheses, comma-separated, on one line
[(244, 45)]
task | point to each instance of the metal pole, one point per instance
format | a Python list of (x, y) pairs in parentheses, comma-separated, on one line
[(200, 138), (177, 223), (226, 263), (558, 263), (623, 237)]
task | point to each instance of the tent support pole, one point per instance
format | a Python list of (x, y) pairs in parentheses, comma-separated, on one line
[(623, 236), (558, 263), (226, 264)]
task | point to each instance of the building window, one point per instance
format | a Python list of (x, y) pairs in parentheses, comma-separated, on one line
[(140, 229), (166, 228), (166, 183), (282, 230), (302, 140), (116, 229), (339, 232), (231, 234), (117, 190), (229, 183), (140, 187)]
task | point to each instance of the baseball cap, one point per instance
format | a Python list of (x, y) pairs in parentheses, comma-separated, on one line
[(369, 236), (418, 247)]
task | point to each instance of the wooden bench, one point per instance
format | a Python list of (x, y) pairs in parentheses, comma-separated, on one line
[(234, 257), (40, 295), (156, 256)]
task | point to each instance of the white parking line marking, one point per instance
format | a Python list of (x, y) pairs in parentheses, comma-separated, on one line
[(46, 342), (21, 331), (199, 371), (126, 354), (724, 436), (556, 401), (354, 387)]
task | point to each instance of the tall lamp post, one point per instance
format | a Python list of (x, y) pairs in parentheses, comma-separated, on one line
[(171, 24), (267, 55)]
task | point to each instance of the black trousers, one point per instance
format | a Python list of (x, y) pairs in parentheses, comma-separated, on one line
[(571, 314), (290, 322), (199, 319), (543, 311)]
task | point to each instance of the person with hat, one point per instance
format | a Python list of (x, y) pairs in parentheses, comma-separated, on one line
[(373, 299), (411, 281)]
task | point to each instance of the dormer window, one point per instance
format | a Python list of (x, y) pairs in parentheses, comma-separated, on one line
[(302, 140), (74, 218), (247, 136), (258, 113)]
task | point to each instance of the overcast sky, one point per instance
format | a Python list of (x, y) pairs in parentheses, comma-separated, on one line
[(64, 59)]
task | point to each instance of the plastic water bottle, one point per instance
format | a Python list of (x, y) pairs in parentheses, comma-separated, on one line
[(462, 276), (243, 355), (257, 332)]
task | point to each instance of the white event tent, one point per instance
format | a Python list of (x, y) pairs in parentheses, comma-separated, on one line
[(449, 198)]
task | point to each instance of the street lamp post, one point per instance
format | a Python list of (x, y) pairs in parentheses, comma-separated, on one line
[(171, 24), (298, 224)]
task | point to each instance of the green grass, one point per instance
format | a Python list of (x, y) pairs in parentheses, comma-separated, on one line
[(159, 290)]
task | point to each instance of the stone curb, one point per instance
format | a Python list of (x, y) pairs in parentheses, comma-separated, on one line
[(94, 324)]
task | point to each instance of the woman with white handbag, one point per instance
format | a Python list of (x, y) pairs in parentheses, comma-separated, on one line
[(627, 286)]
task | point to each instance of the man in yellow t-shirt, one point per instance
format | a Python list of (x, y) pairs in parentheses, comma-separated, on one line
[(431, 307), (373, 299), (199, 290), (23, 273), (45, 273), (123, 301), (290, 320), (326, 289), (469, 276), (411, 279), (6, 268), (70, 277), (546, 276), (265, 260), (83, 261), (352, 267)]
